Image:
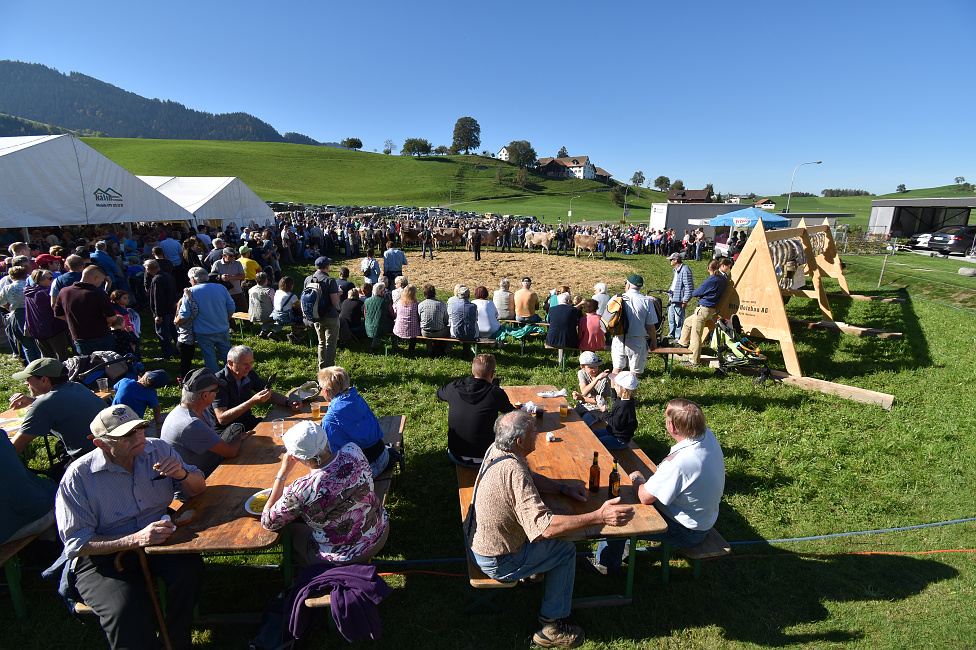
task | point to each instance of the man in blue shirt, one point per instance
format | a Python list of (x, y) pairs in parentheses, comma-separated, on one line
[(140, 394), (708, 294), (682, 285), (212, 323), (393, 262)]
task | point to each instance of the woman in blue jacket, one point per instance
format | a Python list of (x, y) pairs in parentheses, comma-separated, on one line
[(349, 419)]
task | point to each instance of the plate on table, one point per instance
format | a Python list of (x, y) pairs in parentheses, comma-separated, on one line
[(255, 504)]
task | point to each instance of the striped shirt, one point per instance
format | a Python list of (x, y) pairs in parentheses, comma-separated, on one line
[(98, 497)]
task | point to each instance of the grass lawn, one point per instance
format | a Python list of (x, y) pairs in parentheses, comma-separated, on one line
[(799, 464)]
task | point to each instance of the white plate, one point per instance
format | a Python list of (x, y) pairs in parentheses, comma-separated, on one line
[(247, 506)]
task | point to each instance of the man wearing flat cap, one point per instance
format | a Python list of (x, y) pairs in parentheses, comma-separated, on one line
[(327, 327), (629, 351), (189, 427), (55, 406), (107, 503)]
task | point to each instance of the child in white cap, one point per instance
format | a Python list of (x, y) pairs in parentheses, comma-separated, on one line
[(622, 418), (594, 389)]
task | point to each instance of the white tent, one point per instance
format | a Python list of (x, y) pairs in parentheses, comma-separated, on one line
[(58, 180), (216, 200)]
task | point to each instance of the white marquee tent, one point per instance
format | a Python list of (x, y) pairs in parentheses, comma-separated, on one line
[(58, 180), (218, 201)]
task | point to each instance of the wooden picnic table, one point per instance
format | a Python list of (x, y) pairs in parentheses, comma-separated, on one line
[(568, 459)]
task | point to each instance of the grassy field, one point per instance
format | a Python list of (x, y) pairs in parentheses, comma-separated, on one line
[(799, 464)]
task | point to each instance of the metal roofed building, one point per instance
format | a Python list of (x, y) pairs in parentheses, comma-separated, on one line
[(904, 217)]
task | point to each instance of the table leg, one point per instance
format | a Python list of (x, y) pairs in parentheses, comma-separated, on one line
[(12, 570), (287, 563)]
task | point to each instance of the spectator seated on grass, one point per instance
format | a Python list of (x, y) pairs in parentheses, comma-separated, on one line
[(406, 323), (463, 316), (487, 313), (260, 304), (504, 300), (527, 303), (563, 324), (591, 334), (621, 421), (687, 487), (377, 311), (335, 514), (287, 311)]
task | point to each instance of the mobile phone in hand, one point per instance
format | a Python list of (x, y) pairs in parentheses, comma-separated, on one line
[(271, 379)]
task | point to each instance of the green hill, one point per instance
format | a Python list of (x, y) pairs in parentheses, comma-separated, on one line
[(324, 175)]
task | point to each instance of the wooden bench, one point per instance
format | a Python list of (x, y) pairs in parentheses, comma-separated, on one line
[(476, 344), (241, 317), (669, 354), (633, 459), (476, 577), (11, 568)]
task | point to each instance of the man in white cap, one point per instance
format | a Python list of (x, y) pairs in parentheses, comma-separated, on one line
[(687, 487), (595, 388), (630, 350), (113, 499)]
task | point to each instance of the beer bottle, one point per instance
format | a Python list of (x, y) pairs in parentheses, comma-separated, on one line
[(614, 481), (595, 473)]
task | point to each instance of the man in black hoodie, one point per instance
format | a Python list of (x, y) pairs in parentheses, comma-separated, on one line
[(473, 405)]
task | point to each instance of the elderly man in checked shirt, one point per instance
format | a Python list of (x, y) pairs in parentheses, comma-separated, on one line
[(113, 499)]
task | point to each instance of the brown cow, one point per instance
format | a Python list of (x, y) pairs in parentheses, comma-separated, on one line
[(452, 235), (539, 239), (488, 237), (409, 235), (586, 243)]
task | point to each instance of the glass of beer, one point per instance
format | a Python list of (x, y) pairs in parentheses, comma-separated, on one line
[(563, 411), (316, 411)]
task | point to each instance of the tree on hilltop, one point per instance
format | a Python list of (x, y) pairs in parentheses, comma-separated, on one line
[(352, 143), (389, 147), (709, 192), (521, 153), (562, 153), (415, 147), (960, 179), (441, 150), (637, 179), (678, 184), (901, 189), (663, 183), (467, 134)]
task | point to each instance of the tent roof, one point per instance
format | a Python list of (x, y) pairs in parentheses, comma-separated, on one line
[(213, 198), (749, 217), (58, 180)]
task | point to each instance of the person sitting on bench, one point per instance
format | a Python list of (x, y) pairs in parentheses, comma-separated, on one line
[(687, 487), (512, 534), (473, 404)]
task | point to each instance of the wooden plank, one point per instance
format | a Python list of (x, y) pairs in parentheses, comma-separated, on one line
[(477, 578), (11, 549), (858, 296), (884, 400), (834, 326)]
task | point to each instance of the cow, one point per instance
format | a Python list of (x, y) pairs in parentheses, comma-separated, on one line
[(409, 235), (488, 237), (539, 239), (452, 235), (586, 243)]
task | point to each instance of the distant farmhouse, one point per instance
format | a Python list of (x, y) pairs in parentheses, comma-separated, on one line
[(689, 196), (765, 204), (571, 166), (502, 154)]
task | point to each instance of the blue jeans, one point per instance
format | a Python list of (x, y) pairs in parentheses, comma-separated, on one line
[(534, 318), (608, 440), (213, 347), (554, 557), (378, 465), (676, 319), (425, 248), (88, 346), (610, 552)]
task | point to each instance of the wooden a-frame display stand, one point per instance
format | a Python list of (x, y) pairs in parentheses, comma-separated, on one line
[(754, 295)]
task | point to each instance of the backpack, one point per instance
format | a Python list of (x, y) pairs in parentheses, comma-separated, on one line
[(313, 300), (615, 319)]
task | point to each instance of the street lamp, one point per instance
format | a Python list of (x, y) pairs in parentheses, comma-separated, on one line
[(570, 215), (815, 162)]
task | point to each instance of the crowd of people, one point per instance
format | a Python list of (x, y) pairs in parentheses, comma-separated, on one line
[(119, 467)]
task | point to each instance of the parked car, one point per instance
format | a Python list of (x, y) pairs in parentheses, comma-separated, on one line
[(920, 240), (953, 239)]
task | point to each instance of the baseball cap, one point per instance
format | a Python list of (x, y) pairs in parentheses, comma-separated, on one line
[(323, 262), (529, 280), (43, 367), (229, 251), (46, 259), (590, 359), (115, 422), (626, 380), (157, 378), (244, 249), (200, 379), (635, 280), (305, 440), (676, 256)]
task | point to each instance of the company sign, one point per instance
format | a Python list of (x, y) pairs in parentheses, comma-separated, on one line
[(108, 198)]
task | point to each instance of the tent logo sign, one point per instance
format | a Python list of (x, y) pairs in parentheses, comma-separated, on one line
[(108, 198)]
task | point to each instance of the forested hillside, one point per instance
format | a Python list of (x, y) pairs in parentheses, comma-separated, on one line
[(88, 106)]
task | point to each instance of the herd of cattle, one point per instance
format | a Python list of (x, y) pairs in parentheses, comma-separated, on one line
[(489, 237)]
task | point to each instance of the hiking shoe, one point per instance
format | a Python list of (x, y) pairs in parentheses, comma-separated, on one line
[(558, 634)]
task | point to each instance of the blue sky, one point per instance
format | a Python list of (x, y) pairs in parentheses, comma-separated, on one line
[(734, 93)]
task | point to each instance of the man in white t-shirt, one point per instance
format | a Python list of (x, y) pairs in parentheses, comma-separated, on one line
[(687, 487)]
